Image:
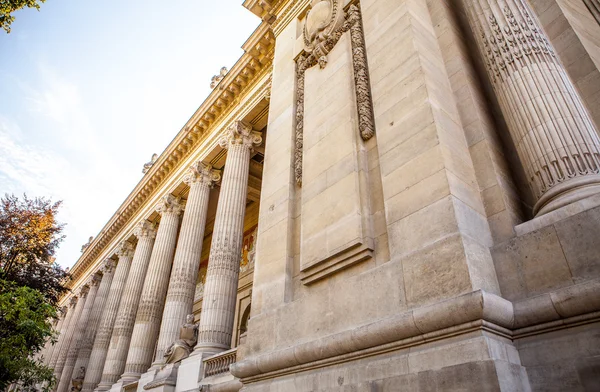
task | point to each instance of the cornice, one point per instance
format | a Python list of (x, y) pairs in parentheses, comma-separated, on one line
[(241, 80)]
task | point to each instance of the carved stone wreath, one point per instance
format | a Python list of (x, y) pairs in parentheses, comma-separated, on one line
[(325, 24)]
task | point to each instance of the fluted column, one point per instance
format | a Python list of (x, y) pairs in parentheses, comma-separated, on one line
[(182, 284), (87, 341), (93, 373), (63, 331), (220, 290), (64, 384), (121, 336), (74, 324), (47, 354), (152, 301), (555, 138)]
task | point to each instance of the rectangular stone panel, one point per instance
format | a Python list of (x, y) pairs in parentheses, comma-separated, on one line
[(336, 229)]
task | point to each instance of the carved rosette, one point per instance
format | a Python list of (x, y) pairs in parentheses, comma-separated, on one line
[(145, 229), (125, 249), (240, 133), (325, 25), (203, 174)]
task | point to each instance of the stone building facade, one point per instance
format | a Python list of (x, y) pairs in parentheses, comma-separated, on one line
[(380, 195)]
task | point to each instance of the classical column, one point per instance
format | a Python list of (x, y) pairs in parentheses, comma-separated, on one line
[(121, 336), (47, 354), (74, 324), (182, 284), (87, 341), (63, 331), (64, 383), (93, 373), (220, 290), (555, 138), (149, 314)]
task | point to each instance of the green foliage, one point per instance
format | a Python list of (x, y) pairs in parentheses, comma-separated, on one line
[(7, 7), (25, 326), (29, 237)]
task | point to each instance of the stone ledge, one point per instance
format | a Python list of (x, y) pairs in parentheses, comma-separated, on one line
[(476, 310)]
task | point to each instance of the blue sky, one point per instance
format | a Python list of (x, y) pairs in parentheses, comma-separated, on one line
[(90, 89)]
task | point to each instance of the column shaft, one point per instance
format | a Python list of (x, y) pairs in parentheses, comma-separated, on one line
[(64, 383), (64, 349), (49, 346), (220, 290), (555, 138), (121, 335), (182, 284), (87, 341), (149, 314), (63, 332), (93, 373)]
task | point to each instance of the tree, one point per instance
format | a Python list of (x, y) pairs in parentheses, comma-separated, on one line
[(7, 7), (29, 237), (25, 326)]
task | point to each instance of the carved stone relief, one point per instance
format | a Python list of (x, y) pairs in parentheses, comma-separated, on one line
[(325, 24)]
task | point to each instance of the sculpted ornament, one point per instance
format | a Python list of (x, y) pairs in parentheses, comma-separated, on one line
[(170, 204), (325, 25), (322, 21), (182, 347), (240, 133), (77, 381), (148, 165), (202, 173), (125, 249), (87, 244), (109, 266), (145, 229)]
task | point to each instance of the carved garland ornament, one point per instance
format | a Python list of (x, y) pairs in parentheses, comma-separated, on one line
[(325, 25)]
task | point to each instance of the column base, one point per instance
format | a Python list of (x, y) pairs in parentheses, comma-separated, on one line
[(103, 387), (129, 377), (567, 192)]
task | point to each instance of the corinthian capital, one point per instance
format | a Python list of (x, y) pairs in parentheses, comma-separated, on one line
[(125, 249), (110, 264), (145, 229), (170, 204), (83, 292), (95, 279), (240, 133), (202, 173), (73, 301)]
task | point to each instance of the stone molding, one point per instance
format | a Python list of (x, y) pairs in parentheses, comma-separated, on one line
[(202, 173), (170, 204), (472, 311), (145, 229), (317, 46)]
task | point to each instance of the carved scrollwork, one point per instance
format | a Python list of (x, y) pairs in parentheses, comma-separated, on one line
[(202, 173), (240, 133), (145, 229), (170, 204), (321, 34)]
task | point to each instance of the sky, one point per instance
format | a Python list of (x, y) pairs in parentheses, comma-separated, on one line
[(90, 89)]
